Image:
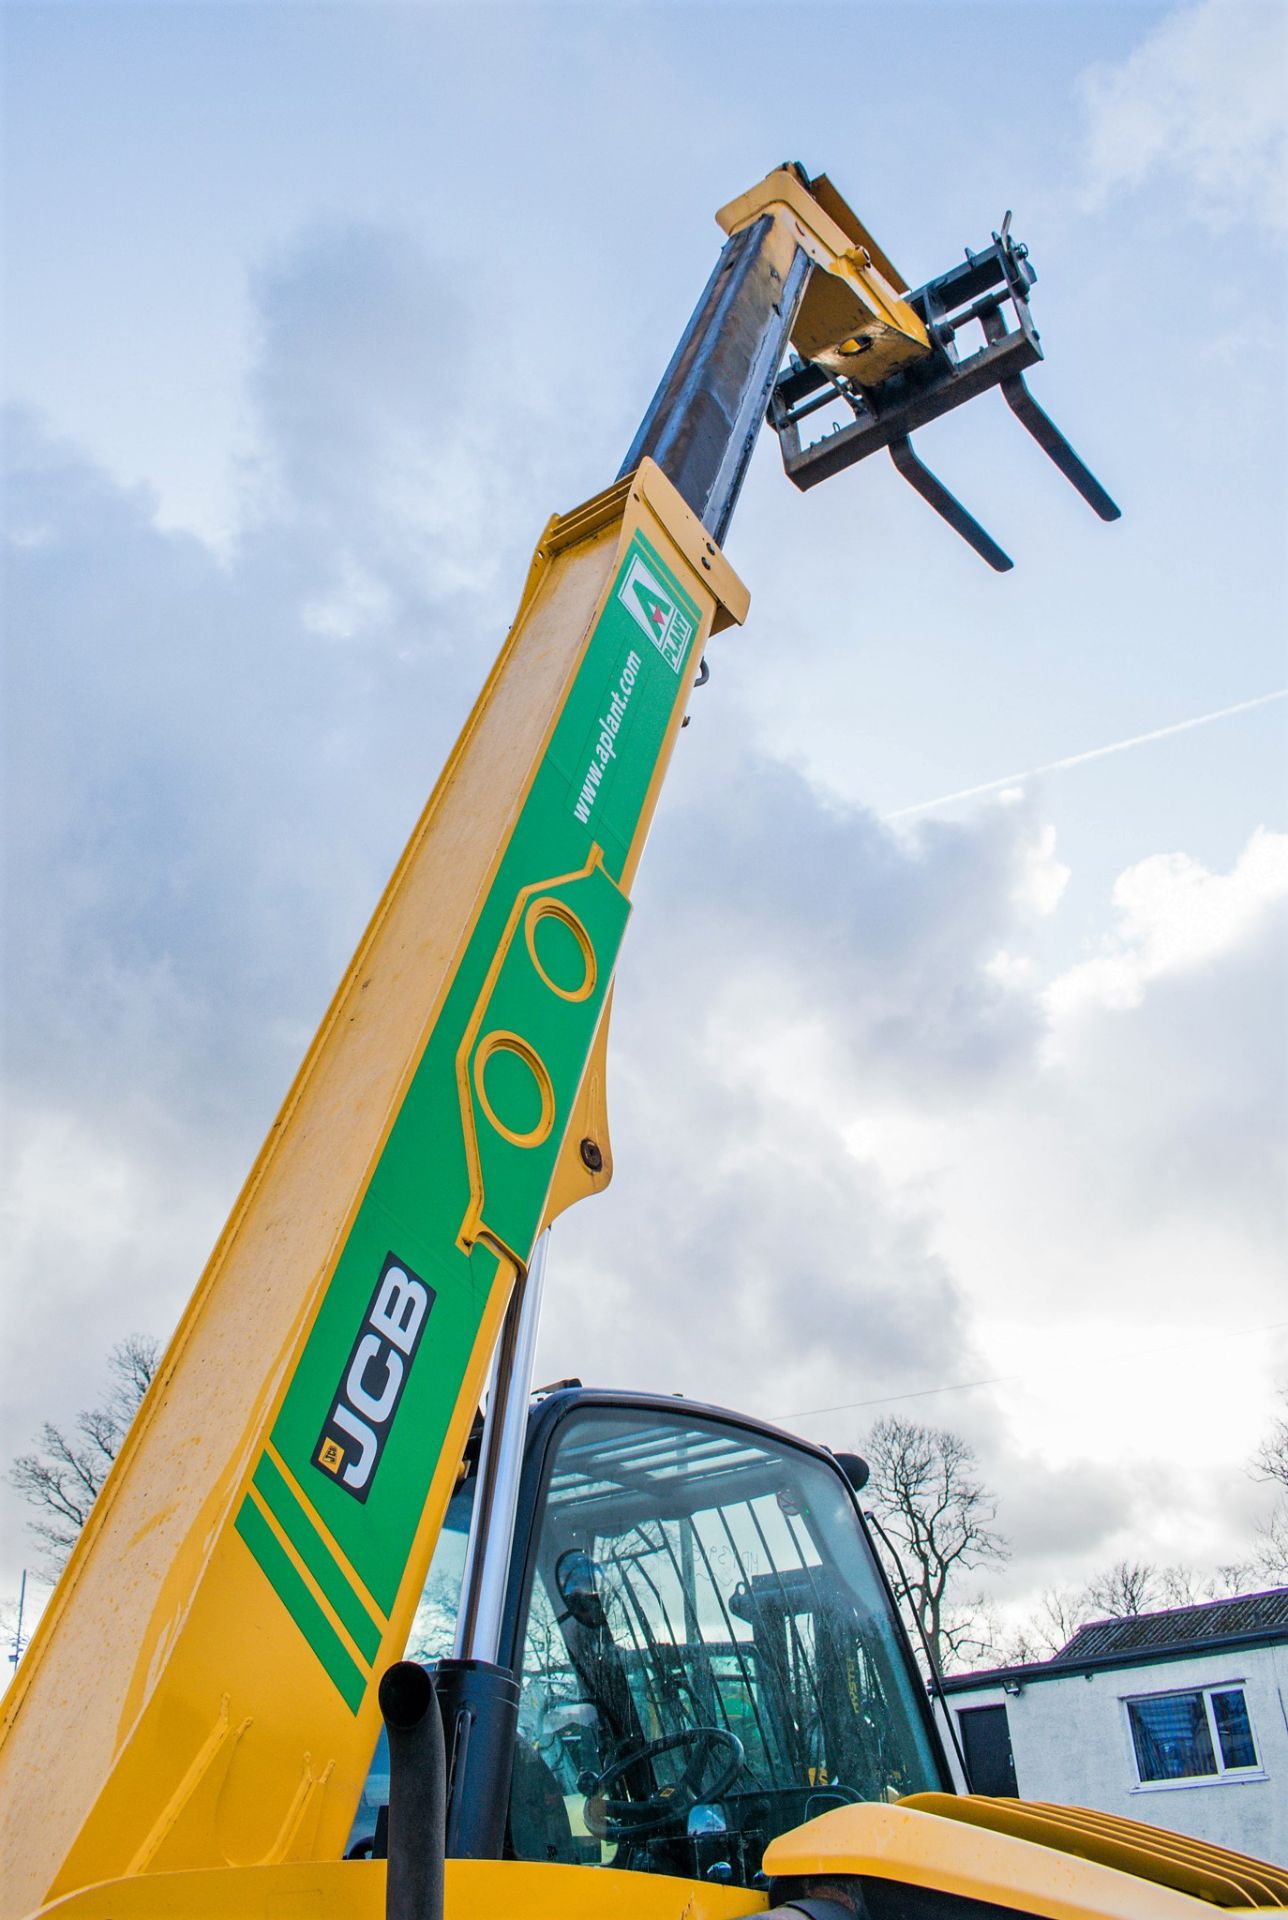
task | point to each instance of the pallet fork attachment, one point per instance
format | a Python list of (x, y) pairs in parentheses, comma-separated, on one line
[(887, 411)]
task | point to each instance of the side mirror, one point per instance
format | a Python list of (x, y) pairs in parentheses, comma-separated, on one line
[(575, 1577), (855, 1469)]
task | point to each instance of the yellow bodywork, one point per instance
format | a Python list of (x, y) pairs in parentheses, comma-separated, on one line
[(971, 1856), (355, 1890), (1045, 1863), (1177, 1860)]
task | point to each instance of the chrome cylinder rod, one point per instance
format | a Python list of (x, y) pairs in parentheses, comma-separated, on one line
[(487, 1555)]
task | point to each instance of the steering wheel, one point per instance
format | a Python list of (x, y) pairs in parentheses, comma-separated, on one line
[(610, 1819)]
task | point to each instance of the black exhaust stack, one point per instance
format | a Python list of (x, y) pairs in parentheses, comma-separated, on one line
[(417, 1793)]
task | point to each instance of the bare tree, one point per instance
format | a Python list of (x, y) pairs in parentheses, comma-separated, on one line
[(1130, 1587), (1182, 1586), (927, 1495), (1270, 1462), (1062, 1611), (1270, 1556), (1127, 1588), (62, 1478), (1118, 1592), (1059, 1614)]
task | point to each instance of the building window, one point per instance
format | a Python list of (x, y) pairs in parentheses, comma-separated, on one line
[(1191, 1736)]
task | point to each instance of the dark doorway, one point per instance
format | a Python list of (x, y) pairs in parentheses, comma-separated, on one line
[(986, 1736)]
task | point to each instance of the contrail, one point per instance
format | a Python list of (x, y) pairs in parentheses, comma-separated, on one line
[(1096, 753)]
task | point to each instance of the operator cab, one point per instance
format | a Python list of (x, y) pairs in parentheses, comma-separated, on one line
[(707, 1653)]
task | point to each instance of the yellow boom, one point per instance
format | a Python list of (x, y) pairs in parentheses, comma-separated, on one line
[(201, 1690)]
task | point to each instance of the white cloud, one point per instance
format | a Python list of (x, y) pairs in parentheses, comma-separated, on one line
[(1042, 879), (811, 976), (354, 604), (1172, 917), (1204, 99), (105, 1226), (1111, 1210)]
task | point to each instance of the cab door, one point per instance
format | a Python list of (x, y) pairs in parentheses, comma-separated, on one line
[(707, 1653)]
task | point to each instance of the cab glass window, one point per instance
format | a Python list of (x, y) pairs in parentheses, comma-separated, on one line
[(709, 1656)]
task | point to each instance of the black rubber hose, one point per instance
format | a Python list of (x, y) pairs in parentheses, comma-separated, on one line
[(417, 1793)]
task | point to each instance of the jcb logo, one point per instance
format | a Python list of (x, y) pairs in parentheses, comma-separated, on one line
[(362, 1412)]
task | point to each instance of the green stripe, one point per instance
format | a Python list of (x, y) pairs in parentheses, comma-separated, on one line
[(420, 1190), (347, 1676), (313, 1551)]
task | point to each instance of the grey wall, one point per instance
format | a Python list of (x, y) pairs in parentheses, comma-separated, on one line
[(1072, 1744)]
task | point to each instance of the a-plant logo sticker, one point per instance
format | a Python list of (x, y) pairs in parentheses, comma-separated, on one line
[(366, 1400), (655, 613)]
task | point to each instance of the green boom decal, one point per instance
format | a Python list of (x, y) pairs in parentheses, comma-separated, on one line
[(468, 1163), (523, 1053)]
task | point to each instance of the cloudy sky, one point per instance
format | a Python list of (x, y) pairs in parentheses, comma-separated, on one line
[(948, 1070)]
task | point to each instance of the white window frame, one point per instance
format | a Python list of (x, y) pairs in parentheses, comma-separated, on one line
[(1224, 1775)]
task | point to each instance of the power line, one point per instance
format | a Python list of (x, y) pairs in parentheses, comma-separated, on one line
[(1004, 1379)]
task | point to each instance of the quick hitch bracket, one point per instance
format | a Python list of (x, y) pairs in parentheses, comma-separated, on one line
[(980, 289)]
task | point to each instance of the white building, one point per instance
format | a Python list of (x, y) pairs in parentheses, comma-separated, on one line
[(1178, 1719)]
